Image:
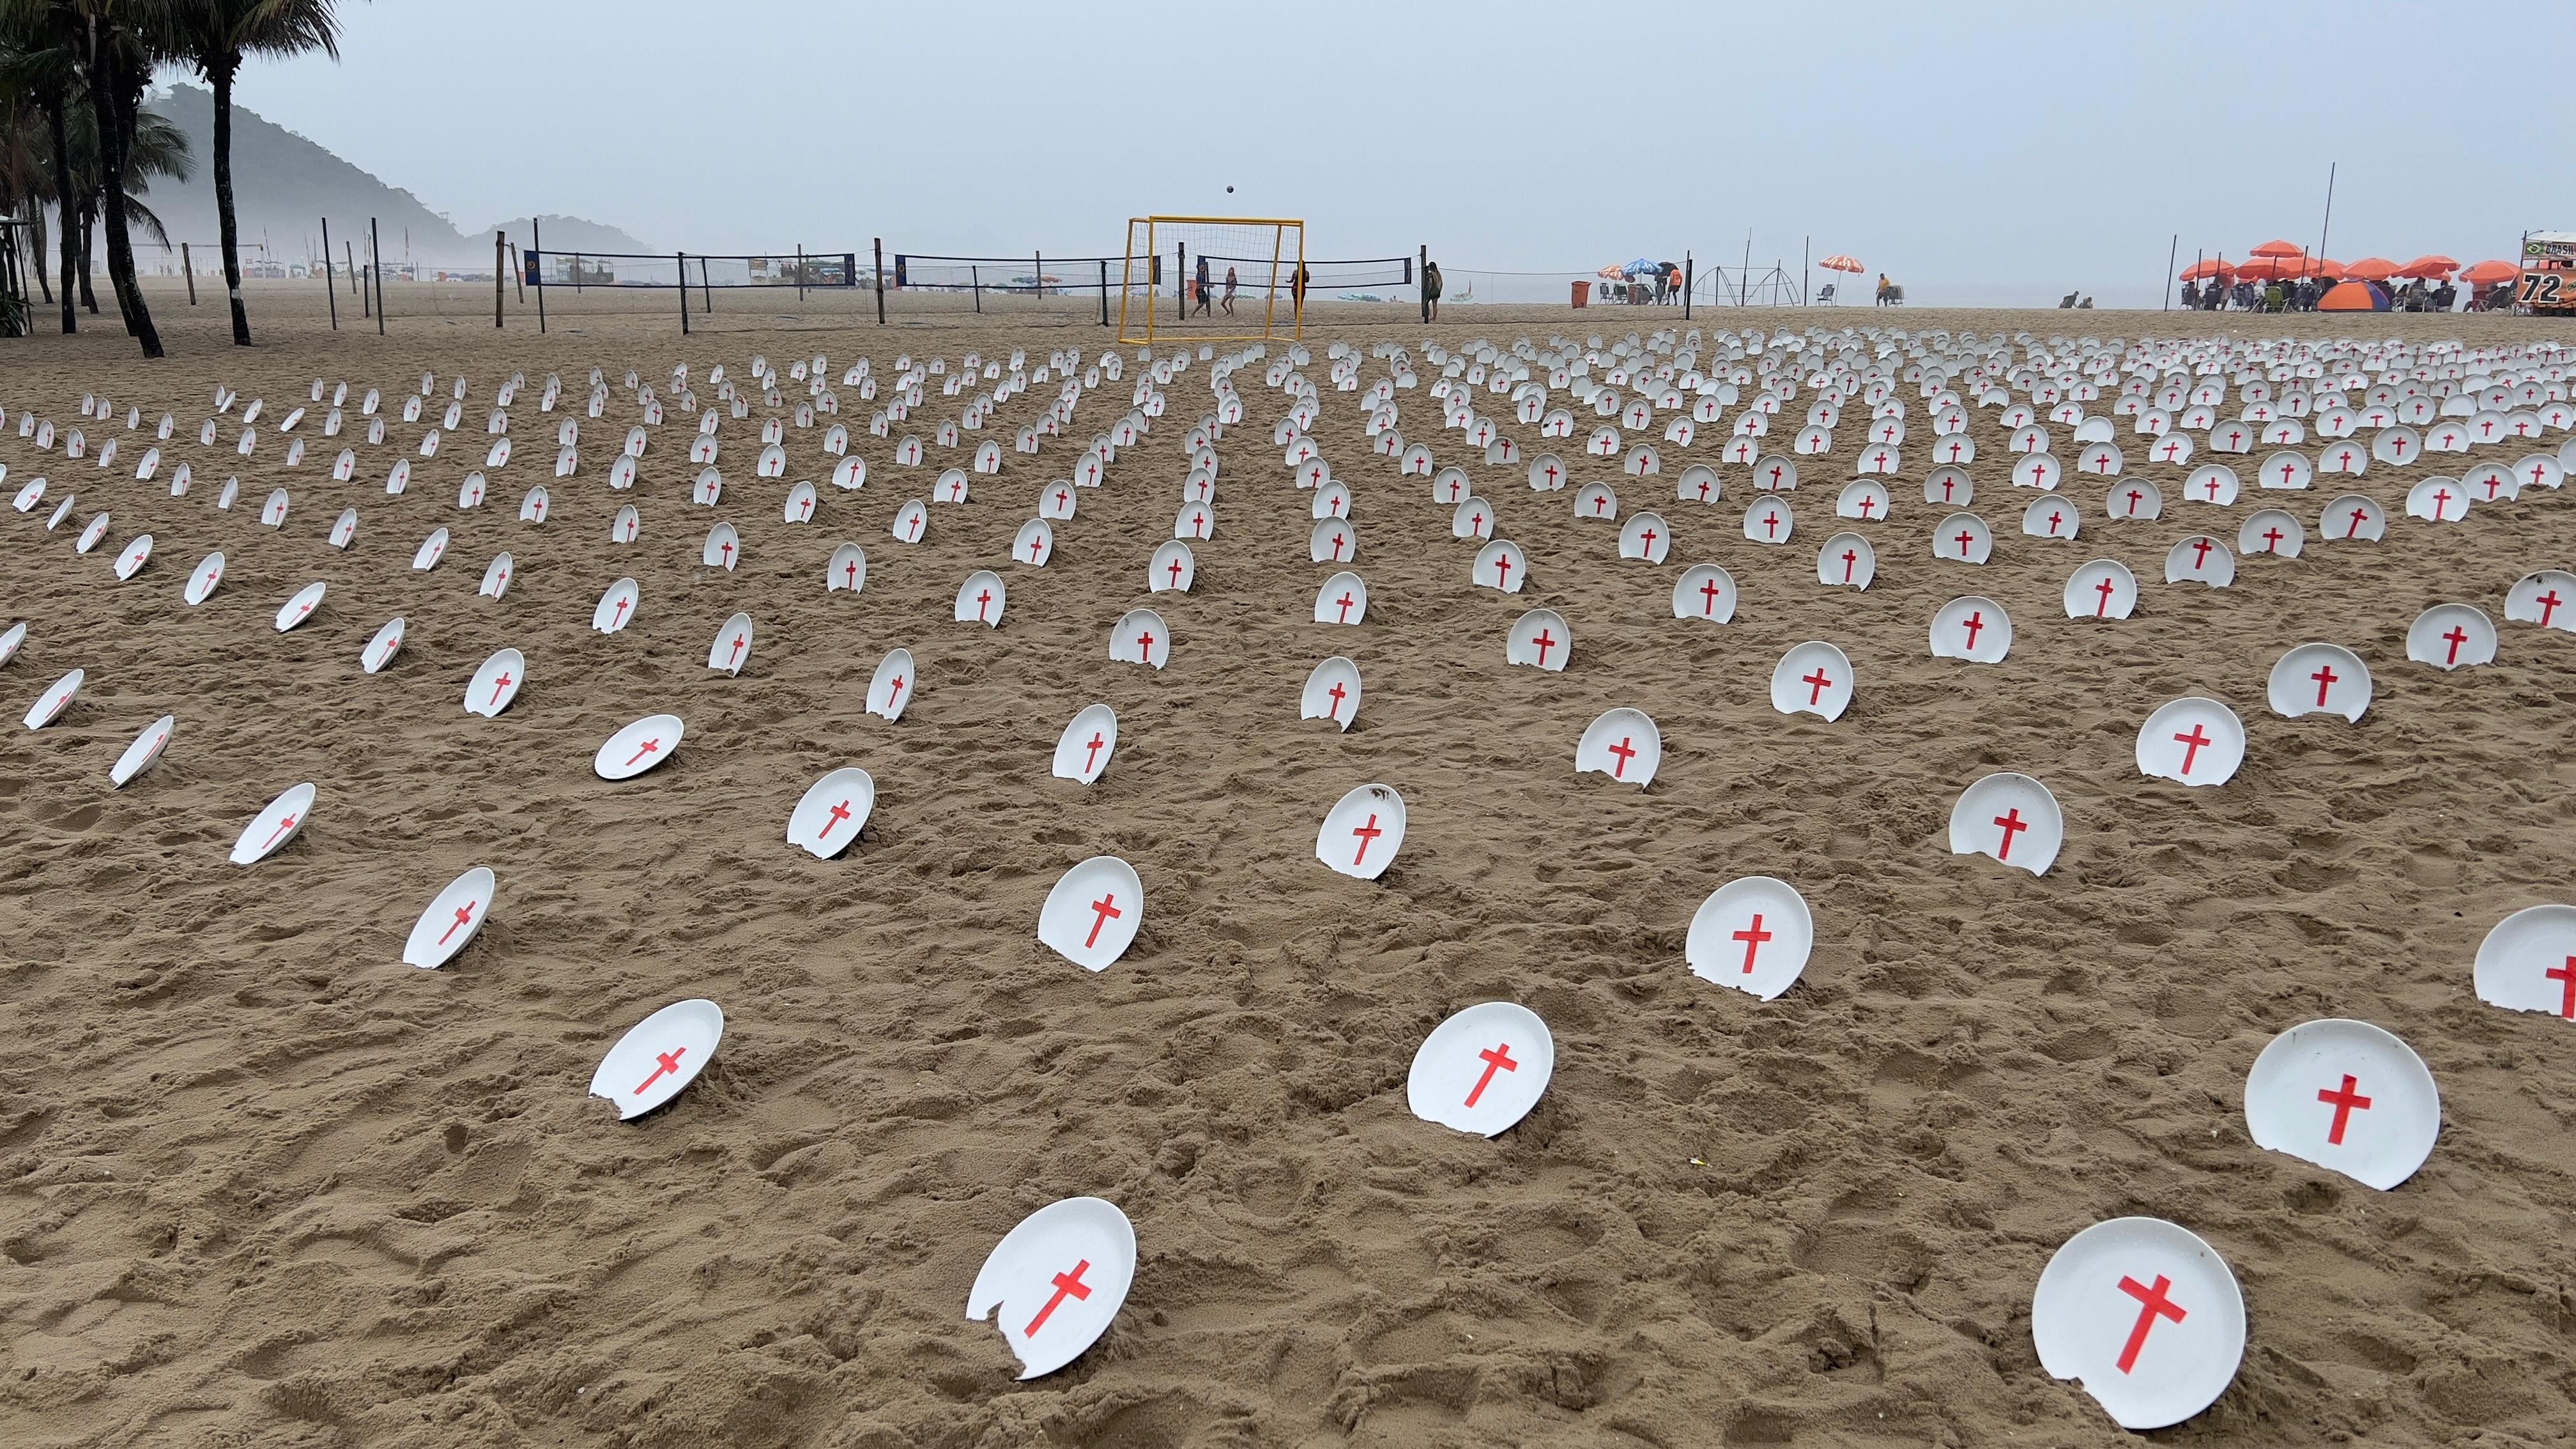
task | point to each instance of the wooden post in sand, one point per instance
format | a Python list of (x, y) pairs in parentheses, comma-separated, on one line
[(537, 249), (188, 271), (330, 285), (500, 257), (1690, 279), (880, 275), (2172, 254), (684, 293)]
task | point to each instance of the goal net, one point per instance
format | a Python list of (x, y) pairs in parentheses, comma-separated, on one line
[(1212, 278)]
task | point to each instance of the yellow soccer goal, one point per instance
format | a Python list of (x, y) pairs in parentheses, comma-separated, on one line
[(1212, 279)]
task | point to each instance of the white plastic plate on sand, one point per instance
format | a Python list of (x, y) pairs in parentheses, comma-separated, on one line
[(2319, 679), (662, 1054), (731, 648), (1141, 637), (981, 599), (450, 920), (892, 686), (1622, 744), (2145, 1315), (1082, 752), (1483, 1069), (1753, 934), (2192, 740), (496, 577), (496, 683), (138, 756), (832, 812), (1332, 692), (616, 608), (381, 649), (2102, 589), (2010, 817), (638, 747), (2528, 962), (1362, 832), (50, 705), (300, 608), (1092, 914), (136, 551), (1342, 600), (9, 642), (431, 550), (1540, 639), (271, 828), (1972, 627), (1704, 592), (1812, 678), (1058, 1280), (209, 572), (2452, 636), (2344, 1095)]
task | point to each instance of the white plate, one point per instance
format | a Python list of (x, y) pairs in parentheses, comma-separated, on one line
[(638, 747), (271, 828), (451, 919), (659, 1056)]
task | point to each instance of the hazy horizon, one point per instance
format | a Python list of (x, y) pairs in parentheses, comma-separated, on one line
[(2010, 157)]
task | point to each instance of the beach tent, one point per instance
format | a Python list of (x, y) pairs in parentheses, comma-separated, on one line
[(2353, 297)]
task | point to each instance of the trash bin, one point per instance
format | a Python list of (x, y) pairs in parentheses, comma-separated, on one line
[(1582, 294)]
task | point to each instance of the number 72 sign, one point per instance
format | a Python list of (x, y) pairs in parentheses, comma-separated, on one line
[(2543, 289)]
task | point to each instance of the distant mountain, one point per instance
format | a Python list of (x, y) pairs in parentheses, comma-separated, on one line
[(284, 185)]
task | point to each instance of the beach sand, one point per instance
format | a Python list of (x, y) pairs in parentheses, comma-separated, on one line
[(260, 1183)]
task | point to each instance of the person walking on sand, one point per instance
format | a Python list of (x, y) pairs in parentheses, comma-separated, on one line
[(1202, 285), (1431, 289), (1229, 291), (1297, 289)]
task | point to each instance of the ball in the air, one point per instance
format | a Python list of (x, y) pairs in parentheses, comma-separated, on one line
[(1229, 191)]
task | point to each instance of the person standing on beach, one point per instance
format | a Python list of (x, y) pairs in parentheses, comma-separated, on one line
[(1431, 289), (1297, 289), (1202, 285), (1229, 291)]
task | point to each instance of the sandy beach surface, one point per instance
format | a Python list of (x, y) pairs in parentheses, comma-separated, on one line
[(263, 1184)]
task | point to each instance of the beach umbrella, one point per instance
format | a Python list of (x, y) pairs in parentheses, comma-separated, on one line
[(2371, 269), (1611, 271), (2432, 266), (2491, 271), (1638, 268), (2204, 270), (2277, 248), (1839, 262)]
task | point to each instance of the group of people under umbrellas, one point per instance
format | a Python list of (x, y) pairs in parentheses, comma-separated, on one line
[(1640, 281), (2282, 277)]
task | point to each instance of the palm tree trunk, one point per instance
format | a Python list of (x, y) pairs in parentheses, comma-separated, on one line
[(36, 248), (54, 106), (225, 224), (88, 252), (115, 134)]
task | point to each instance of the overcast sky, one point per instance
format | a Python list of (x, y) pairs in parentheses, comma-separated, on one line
[(1953, 146)]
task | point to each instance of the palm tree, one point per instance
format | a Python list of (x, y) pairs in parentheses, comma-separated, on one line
[(42, 35), (214, 35), (116, 54), (157, 148)]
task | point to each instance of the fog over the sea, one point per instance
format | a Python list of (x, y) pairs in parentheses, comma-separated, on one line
[(1979, 154)]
